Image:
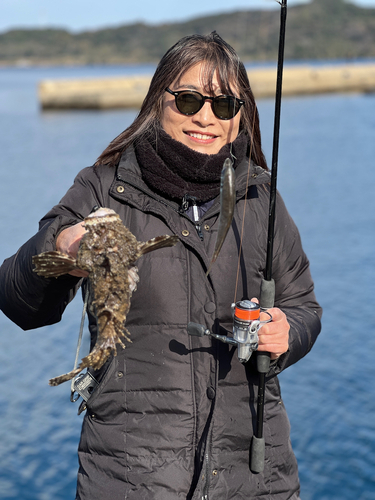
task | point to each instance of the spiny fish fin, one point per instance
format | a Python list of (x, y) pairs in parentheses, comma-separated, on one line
[(53, 264), (156, 243)]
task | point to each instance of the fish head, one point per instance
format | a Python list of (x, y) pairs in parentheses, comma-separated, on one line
[(102, 215)]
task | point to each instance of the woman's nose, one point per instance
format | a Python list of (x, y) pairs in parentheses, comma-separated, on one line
[(205, 115)]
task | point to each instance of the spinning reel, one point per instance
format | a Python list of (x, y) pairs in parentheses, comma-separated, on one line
[(246, 324)]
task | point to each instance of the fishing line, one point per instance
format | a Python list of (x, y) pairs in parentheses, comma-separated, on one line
[(247, 182), (234, 111), (244, 207), (268, 267), (86, 299)]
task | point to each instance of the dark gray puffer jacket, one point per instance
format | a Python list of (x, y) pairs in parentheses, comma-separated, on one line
[(174, 415)]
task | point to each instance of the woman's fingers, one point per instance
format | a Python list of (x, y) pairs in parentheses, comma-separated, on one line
[(68, 242), (274, 336)]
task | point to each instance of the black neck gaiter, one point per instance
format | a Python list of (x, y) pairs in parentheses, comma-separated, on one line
[(172, 169)]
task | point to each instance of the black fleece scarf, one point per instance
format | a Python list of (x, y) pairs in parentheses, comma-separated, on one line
[(172, 169)]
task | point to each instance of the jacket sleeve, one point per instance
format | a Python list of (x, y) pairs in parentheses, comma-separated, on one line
[(294, 289), (32, 301)]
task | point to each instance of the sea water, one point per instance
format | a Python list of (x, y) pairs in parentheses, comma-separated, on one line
[(327, 179)]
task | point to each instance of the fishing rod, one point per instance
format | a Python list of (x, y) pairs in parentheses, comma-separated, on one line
[(267, 293), (246, 314)]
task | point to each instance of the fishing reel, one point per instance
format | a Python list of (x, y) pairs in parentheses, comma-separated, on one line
[(246, 324)]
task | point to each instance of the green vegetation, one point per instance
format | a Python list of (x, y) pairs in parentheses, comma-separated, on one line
[(322, 29)]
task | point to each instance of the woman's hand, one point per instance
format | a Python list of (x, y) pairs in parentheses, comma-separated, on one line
[(68, 242), (274, 336)]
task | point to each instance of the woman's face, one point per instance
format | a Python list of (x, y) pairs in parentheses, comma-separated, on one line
[(203, 132)]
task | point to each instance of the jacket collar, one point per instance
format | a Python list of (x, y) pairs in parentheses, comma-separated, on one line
[(128, 186), (248, 175), (128, 172)]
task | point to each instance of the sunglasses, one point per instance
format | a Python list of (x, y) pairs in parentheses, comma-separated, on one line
[(189, 102)]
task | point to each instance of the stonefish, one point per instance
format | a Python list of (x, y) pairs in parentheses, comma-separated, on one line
[(108, 252)]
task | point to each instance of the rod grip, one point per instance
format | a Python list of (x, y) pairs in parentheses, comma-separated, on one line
[(263, 362), (267, 300), (257, 454), (267, 294)]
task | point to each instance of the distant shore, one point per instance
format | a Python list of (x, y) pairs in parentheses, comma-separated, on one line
[(129, 92), (251, 65)]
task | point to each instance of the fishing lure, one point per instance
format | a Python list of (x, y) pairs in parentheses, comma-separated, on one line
[(108, 252), (227, 203)]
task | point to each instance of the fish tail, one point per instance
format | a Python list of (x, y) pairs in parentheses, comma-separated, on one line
[(96, 359), (53, 264), (64, 378)]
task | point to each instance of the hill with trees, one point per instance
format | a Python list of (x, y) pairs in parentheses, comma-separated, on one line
[(319, 30)]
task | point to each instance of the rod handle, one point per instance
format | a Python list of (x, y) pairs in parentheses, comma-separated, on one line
[(267, 294), (267, 300), (263, 362), (257, 454)]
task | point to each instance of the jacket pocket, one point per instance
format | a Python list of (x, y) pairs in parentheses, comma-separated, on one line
[(105, 404)]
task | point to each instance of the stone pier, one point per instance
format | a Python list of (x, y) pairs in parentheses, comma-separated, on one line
[(129, 92)]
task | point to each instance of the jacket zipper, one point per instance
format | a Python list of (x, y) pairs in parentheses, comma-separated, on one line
[(207, 482), (196, 220), (185, 205)]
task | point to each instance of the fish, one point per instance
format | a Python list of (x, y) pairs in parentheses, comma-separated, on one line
[(227, 204), (108, 251)]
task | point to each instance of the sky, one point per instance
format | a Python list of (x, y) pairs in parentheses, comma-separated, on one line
[(80, 15)]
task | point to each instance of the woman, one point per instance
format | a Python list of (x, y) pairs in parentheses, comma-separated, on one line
[(173, 415)]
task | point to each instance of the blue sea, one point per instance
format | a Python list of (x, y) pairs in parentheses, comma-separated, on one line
[(327, 178)]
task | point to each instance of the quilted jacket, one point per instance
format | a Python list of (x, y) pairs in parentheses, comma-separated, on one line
[(174, 414)]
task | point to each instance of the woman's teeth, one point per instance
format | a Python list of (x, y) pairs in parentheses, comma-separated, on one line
[(201, 136)]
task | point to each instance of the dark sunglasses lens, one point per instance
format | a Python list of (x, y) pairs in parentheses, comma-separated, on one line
[(226, 107), (189, 103)]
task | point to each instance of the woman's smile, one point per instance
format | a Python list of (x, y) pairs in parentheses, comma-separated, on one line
[(201, 138)]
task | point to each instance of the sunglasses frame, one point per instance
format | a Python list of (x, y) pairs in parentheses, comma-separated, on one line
[(204, 98)]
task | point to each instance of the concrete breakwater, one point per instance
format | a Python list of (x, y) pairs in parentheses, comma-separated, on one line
[(129, 92)]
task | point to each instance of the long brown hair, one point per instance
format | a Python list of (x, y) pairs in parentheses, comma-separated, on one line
[(218, 56)]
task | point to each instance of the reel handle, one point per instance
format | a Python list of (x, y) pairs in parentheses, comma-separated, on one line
[(197, 330)]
